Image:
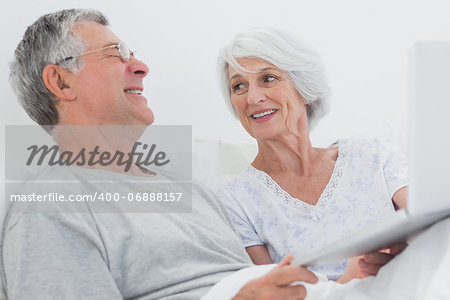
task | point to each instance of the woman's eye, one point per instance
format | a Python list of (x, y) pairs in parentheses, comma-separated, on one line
[(237, 87), (269, 78)]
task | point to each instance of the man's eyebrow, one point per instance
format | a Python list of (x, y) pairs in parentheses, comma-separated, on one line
[(238, 75), (110, 44)]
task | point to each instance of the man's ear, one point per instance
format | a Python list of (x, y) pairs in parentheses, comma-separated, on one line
[(58, 82)]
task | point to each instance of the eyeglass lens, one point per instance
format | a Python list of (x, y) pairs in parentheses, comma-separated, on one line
[(124, 51)]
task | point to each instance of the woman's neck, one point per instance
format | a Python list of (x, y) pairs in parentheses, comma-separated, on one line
[(286, 154)]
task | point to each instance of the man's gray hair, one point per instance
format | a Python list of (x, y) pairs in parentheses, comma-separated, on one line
[(302, 64), (48, 40)]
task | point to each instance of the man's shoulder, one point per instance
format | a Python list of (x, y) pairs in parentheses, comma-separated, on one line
[(46, 195)]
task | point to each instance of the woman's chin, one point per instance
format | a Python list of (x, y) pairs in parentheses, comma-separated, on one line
[(265, 135)]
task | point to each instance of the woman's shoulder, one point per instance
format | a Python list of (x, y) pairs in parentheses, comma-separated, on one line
[(367, 149), (251, 182), (362, 145), (359, 141), (240, 180)]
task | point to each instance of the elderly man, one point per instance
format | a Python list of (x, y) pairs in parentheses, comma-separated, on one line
[(71, 69)]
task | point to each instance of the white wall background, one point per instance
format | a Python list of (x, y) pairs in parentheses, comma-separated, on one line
[(364, 45)]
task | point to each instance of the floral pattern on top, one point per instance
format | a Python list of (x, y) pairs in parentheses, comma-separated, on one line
[(366, 175)]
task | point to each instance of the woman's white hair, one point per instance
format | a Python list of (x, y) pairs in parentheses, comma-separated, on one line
[(302, 64)]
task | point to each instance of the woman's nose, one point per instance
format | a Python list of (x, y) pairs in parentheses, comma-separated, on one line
[(255, 94)]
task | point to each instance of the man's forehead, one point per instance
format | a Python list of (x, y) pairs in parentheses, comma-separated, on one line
[(95, 34)]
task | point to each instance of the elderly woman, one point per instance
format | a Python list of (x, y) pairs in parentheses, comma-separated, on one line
[(294, 197)]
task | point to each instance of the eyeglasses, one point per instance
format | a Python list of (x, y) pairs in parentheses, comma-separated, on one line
[(124, 52)]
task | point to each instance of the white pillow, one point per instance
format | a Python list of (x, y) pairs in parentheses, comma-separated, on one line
[(214, 162)]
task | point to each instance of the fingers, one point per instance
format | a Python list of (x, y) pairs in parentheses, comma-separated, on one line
[(277, 283), (394, 249), (286, 261), (385, 255), (294, 292), (371, 263), (284, 274), (378, 258), (256, 290), (397, 248), (261, 289), (367, 269), (289, 274)]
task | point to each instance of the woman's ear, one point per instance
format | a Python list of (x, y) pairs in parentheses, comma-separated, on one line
[(58, 82)]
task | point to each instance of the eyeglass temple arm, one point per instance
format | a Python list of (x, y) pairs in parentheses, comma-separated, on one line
[(85, 53)]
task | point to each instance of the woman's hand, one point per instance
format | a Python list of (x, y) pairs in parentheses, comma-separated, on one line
[(369, 264)]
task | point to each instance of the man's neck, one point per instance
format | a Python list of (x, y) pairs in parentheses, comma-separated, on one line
[(108, 148)]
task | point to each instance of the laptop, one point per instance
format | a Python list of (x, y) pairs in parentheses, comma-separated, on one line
[(429, 163)]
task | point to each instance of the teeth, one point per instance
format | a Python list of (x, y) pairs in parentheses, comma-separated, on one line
[(133, 92), (263, 114)]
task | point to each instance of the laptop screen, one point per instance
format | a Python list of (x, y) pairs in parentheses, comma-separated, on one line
[(429, 128)]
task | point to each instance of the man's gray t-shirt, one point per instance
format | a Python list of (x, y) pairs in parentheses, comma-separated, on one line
[(69, 255)]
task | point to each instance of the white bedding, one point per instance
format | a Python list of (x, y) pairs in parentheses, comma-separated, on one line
[(421, 272)]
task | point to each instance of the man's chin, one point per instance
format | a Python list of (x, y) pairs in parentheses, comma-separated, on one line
[(143, 117), (150, 118)]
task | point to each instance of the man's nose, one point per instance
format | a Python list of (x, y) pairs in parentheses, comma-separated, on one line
[(137, 67), (255, 94)]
